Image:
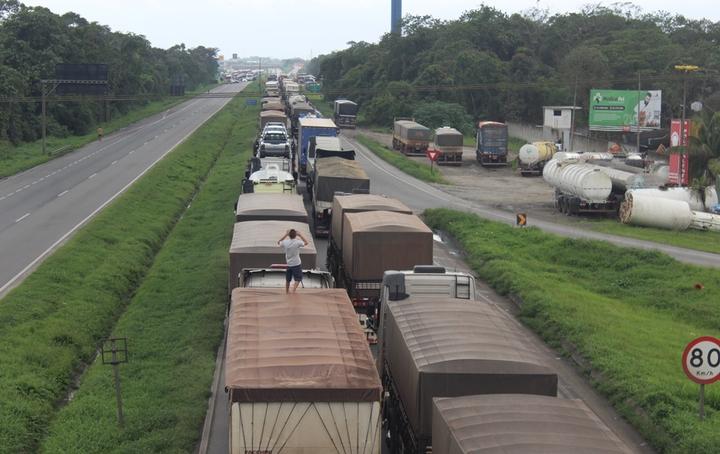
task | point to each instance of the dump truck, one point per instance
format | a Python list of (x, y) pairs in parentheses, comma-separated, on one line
[(444, 347), (519, 423), (409, 137), (450, 143), (307, 128), (299, 375), (345, 113), (334, 175), (492, 143), (254, 246), (534, 156)]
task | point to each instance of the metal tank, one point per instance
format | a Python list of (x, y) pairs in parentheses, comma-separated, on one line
[(581, 180), (623, 181), (648, 211), (691, 197), (531, 154)]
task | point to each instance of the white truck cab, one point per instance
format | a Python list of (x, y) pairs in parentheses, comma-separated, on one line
[(427, 280)]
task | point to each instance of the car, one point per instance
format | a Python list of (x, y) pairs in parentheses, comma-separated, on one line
[(274, 143)]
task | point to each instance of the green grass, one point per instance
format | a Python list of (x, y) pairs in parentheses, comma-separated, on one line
[(14, 159), (690, 239), (318, 101), (52, 323), (514, 143), (402, 162), (628, 312), (174, 325)]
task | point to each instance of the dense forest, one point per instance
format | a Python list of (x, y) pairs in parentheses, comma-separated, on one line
[(34, 39), (494, 66)]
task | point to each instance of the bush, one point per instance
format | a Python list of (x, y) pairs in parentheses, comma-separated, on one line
[(435, 114)]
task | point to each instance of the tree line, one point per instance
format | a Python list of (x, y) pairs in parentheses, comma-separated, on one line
[(489, 65), (34, 39)]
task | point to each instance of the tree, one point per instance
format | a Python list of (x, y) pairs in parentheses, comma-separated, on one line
[(705, 151)]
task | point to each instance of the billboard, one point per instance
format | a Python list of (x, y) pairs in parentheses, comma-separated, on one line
[(625, 110), (79, 74)]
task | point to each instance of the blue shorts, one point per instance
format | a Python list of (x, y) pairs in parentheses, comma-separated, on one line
[(294, 273)]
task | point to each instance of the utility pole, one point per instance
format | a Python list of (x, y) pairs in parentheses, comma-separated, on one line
[(638, 115), (685, 69), (572, 114)]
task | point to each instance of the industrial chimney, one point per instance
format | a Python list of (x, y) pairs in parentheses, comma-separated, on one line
[(395, 16)]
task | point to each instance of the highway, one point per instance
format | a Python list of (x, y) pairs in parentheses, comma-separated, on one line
[(42, 207)]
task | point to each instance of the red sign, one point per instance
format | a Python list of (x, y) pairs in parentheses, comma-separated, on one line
[(433, 154), (676, 131), (679, 173), (701, 360)]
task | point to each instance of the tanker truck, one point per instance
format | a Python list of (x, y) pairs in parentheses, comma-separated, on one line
[(581, 188), (533, 156)]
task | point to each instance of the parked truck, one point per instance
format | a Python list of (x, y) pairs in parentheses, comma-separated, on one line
[(492, 143), (345, 113), (433, 347), (299, 375), (534, 156), (311, 127), (450, 143), (581, 188), (409, 137), (334, 175)]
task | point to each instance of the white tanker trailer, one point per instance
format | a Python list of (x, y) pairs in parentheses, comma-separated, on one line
[(533, 156), (581, 188)]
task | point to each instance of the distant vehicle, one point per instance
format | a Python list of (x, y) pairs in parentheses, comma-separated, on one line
[(409, 137), (323, 147), (274, 143), (333, 175), (492, 143), (450, 143), (345, 113)]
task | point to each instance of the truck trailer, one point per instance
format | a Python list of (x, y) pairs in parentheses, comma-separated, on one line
[(581, 188), (492, 143), (450, 143), (445, 347), (410, 138), (334, 175), (299, 375), (312, 127)]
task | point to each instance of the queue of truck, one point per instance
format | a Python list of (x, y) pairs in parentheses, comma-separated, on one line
[(299, 373)]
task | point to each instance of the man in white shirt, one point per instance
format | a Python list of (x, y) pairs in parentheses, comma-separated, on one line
[(291, 243)]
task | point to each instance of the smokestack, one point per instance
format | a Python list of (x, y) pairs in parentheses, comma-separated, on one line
[(395, 16)]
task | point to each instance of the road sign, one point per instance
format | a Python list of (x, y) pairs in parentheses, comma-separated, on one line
[(701, 360), (251, 102), (521, 219), (433, 154)]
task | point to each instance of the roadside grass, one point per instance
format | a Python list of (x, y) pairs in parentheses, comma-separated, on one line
[(318, 101), (15, 159), (514, 143), (174, 325), (629, 314), (402, 162), (52, 324), (690, 239)]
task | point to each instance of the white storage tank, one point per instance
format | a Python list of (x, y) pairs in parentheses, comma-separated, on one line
[(687, 195), (584, 181), (648, 211), (536, 152)]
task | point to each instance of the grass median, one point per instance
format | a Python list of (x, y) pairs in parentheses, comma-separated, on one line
[(52, 323), (628, 313), (174, 325), (402, 162), (14, 159)]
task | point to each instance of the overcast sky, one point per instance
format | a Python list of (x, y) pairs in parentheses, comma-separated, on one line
[(299, 28)]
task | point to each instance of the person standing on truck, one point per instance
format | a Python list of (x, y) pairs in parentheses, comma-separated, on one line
[(291, 243)]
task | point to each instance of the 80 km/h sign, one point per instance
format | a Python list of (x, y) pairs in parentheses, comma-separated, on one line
[(701, 360)]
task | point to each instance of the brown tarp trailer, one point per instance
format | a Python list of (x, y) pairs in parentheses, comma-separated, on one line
[(376, 241), (410, 130), (519, 424), (302, 347), (274, 105), (270, 207), (445, 347), (338, 175), (357, 203), (254, 245), (267, 116), (448, 137)]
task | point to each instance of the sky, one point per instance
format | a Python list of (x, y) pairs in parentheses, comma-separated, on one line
[(301, 28)]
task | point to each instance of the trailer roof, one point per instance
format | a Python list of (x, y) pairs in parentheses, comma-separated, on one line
[(370, 202), (273, 113), (270, 207), (447, 131), (261, 237), (385, 221), (409, 124), (302, 347), (519, 424), (317, 123), (335, 167)]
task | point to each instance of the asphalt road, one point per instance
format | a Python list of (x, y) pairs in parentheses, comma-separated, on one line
[(42, 207)]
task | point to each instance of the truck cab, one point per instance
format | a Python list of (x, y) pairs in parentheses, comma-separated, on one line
[(427, 280)]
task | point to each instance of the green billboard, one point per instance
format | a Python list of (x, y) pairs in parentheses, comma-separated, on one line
[(625, 110)]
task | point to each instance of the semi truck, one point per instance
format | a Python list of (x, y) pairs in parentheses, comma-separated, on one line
[(332, 175), (311, 127), (270, 179), (299, 110), (345, 113), (450, 143), (409, 137), (492, 143), (581, 188), (427, 280), (299, 375), (268, 116), (433, 347), (324, 147), (534, 156)]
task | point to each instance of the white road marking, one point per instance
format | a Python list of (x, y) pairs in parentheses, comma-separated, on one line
[(26, 186), (92, 176), (131, 151), (18, 190), (2, 198), (34, 182), (113, 163), (63, 193), (22, 217)]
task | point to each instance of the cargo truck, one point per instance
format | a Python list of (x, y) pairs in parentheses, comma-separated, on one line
[(492, 143), (450, 143), (409, 137), (270, 179), (334, 175), (297, 111), (324, 147), (268, 116), (427, 280), (444, 347), (270, 207), (508, 423), (299, 375), (345, 113), (254, 246), (307, 128)]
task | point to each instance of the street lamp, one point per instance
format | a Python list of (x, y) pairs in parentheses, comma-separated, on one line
[(684, 69)]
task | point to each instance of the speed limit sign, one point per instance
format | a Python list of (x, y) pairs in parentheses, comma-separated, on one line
[(701, 360)]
